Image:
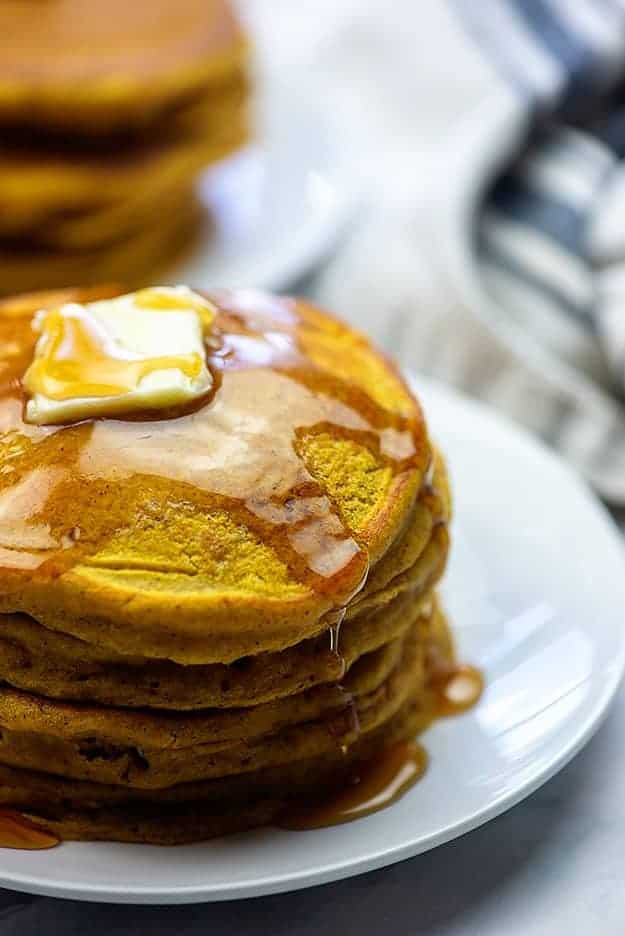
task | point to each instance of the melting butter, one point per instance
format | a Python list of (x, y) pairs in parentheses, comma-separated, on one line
[(136, 353)]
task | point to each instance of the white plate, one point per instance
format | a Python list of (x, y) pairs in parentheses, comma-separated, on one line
[(536, 589), (276, 208)]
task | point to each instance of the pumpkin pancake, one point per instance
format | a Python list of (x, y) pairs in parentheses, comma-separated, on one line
[(50, 789), (82, 198), (45, 799), (38, 660), (142, 254), (165, 730), (432, 510), (187, 812), (266, 510), (81, 747), (35, 658), (84, 231), (215, 614), (97, 68), (109, 113)]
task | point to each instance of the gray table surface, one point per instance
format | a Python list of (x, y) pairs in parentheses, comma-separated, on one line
[(554, 864)]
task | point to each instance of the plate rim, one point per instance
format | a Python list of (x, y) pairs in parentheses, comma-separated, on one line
[(292, 881)]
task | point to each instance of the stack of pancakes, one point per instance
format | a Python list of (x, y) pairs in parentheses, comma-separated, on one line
[(108, 112), (210, 618)]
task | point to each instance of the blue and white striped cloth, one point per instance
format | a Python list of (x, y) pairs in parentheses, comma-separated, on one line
[(505, 273), (550, 229), (535, 234)]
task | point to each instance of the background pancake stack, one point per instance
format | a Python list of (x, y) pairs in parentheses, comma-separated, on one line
[(212, 619), (108, 112)]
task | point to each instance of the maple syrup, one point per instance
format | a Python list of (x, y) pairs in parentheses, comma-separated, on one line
[(456, 687), (242, 451), (16, 831), (379, 783)]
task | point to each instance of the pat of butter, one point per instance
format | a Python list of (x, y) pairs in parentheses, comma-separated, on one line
[(133, 354)]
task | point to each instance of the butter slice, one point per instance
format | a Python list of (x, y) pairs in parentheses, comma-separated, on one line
[(133, 354)]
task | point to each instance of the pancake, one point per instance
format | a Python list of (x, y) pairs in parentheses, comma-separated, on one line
[(107, 746), (81, 198), (432, 509), (153, 729), (84, 67), (190, 812), (75, 671), (179, 822), (159, 556), (216, 615), (80, 231), (109, 115), (425, 573), (139, 256), (35, 658), (47, 789)]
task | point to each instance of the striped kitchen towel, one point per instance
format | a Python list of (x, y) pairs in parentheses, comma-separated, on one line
[(548, 231), (506, 276)]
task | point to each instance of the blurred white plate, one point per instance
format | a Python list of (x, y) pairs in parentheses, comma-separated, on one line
[(536, 590), (275, 209)]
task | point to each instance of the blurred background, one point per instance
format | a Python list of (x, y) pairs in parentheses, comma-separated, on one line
[(484, 145), (446, 175), (404, 73)]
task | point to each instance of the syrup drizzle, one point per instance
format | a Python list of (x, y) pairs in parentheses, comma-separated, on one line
[(16, 831), (334, 620), (380, 782), (243, 452), (385, 778), (457, 689)]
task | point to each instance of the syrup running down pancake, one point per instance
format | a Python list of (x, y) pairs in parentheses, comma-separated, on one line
[(211, 611)]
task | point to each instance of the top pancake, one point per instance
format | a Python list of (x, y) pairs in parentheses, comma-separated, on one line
[(233, 530), (111, 66)]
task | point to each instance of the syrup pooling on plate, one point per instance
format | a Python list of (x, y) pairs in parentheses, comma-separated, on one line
[(66, 491), (456, 687), (379, 783), (386, 777), (16, 831)]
